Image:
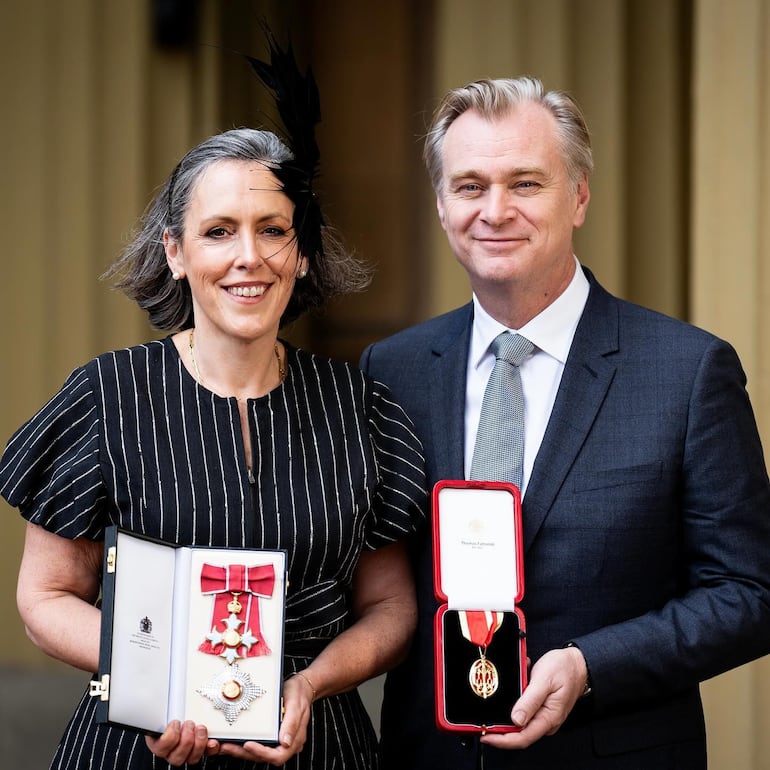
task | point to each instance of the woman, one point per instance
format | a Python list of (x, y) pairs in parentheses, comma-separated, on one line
[(222, 434)]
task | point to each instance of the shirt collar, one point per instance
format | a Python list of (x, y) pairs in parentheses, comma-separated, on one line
[(551, 330)]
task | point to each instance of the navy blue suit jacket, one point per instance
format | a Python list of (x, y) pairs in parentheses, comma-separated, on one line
[(646, 534)]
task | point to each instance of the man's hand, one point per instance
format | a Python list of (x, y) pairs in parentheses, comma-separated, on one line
[(558, 679)]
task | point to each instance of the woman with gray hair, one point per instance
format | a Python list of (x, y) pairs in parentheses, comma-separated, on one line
[(222, 434)]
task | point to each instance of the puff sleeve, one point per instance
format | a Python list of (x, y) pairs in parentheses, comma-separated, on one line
[(400, 501), (50, 469)]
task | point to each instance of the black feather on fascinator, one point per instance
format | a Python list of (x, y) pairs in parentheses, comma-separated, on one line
[(299, 107)]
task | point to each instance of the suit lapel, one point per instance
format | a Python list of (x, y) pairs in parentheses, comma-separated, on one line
[(587, 375), (446, 390)]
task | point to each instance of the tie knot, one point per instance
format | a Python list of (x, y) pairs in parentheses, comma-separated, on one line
[(512, 348)]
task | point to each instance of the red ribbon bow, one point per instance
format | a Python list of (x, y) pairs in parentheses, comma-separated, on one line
[(250, 583)]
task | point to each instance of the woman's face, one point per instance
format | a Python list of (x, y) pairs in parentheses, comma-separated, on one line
[(239, 250)]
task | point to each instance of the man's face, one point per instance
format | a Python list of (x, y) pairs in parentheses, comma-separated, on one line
[(506, 202)]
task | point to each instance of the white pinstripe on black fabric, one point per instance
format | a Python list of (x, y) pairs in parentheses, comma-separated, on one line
[(132, 439)]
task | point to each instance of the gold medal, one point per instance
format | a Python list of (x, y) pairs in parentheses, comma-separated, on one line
[(483, 676), (479, 627), (232, 690), (231, 638), (232, 620)]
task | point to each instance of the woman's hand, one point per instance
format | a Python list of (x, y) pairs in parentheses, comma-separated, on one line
[(182, 743), (188, 742), (297, 700)]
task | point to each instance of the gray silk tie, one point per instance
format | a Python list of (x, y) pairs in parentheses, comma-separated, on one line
[(499, 451)]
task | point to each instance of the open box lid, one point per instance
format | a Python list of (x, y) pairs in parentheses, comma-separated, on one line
[(477, 545)]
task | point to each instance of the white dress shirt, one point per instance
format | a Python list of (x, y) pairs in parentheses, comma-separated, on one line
[(551, 332)]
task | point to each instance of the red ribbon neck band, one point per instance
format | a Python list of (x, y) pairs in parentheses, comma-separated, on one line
[(249, 583), (479, 626)]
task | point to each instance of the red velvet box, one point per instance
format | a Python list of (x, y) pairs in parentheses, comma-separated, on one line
[(479, 580)]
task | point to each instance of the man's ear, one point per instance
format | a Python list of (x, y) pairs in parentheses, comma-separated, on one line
[(440, 210), (582, 198)]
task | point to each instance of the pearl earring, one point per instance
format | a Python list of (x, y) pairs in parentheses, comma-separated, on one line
[(175, 275), (302, 273)]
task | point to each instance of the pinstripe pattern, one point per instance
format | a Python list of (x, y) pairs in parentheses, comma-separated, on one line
[(132, 439)]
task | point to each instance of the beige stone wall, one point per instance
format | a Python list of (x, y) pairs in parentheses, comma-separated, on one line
[(729, 283)]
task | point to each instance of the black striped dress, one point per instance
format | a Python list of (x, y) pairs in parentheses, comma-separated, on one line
[(131, 439)]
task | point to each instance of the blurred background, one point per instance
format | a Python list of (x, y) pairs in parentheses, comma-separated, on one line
[(100, 100)]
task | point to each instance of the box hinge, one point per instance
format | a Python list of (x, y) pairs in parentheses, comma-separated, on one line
[(112, 556), (100, 688)]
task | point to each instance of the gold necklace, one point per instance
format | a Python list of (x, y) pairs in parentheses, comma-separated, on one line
[(281, 367), (191, 346)]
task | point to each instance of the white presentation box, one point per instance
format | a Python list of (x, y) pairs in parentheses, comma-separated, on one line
[(191, 633)]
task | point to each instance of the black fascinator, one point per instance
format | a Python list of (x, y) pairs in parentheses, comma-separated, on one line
[(299, 107)]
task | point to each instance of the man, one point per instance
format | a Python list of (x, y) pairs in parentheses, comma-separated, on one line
[(646, 509)]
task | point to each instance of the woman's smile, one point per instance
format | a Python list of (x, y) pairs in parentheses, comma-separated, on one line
[(247, 291)]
